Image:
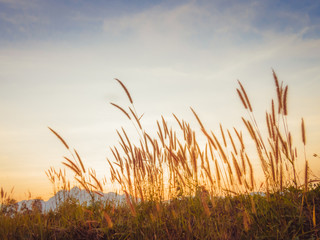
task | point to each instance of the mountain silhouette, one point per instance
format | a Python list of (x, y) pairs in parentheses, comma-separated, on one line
[(80, 195)]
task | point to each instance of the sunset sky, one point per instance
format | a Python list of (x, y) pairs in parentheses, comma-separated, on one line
[(58, 61)]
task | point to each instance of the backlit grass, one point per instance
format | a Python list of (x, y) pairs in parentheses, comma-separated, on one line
[(178, 189)]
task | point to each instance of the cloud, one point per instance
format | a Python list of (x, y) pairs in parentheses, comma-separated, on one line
[(199, 23), (18, 19), (183, 20), (206, 37), (212, 19), (157, 20), (19, 3)]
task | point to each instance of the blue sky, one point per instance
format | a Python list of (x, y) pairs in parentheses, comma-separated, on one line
[(38, 21), (58, 60)]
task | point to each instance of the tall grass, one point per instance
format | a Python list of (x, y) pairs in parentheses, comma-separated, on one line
[(164, 166), (178, 189)]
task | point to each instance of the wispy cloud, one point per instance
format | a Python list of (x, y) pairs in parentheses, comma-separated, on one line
[(212, 24), (161, 21), (19, 3)]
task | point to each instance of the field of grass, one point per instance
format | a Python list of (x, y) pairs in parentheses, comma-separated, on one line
[(178, 189)]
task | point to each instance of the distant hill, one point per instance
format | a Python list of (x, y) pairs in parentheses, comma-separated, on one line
[(75, 193)]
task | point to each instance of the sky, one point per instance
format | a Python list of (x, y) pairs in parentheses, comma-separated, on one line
[(58, 61)]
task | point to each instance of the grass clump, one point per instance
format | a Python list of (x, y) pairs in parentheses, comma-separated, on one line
[(176, 188), (281, 216)]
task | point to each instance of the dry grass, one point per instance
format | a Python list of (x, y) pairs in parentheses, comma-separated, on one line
[(178, 189), (181, 166)]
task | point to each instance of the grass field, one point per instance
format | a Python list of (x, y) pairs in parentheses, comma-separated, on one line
[(178, 189)]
